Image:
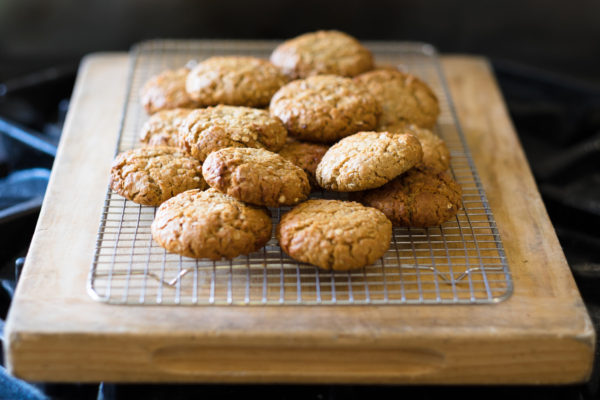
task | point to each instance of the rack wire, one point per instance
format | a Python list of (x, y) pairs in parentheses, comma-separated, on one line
[(459, 262)]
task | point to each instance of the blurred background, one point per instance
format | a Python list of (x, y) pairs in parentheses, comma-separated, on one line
[(559, 36), (545, 54)]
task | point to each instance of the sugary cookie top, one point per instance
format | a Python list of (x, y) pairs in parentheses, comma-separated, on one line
[(322, 53)]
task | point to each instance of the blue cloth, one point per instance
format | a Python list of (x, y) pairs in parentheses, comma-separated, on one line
[(12, 388)]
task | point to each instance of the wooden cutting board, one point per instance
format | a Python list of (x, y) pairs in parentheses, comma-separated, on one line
[(56, 332)]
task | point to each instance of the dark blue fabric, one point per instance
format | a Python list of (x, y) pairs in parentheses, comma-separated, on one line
[(12, 388)]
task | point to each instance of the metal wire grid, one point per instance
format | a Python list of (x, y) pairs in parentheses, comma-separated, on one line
[(460, 262)]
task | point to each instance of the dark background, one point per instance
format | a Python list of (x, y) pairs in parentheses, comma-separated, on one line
[(545, 54), (558, 36)]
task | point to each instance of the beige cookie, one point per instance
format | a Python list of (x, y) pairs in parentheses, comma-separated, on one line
[(162, 128), (325, 108), (256, 176), (233, 80), (209, 224), (208, 129), (322, 53), (436, 155), (404, 98), (305, 155), (367, 160), (166, 91), (418, 198), (334, 235), (151, 175)]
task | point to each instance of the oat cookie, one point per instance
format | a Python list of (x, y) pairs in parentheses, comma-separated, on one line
[(208, 129), (367, 160), (322, 53), (151, 175), (256, 176), (334, 235), (166, 91), (233, 80), (325, 108), (418, 198), (209, 224), (436, 155), (162, 128), (305, 155), (404, 98)]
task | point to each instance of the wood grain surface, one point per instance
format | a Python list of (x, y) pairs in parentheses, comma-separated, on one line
[(56, 332)]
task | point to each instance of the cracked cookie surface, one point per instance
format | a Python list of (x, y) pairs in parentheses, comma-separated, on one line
[(234, 80), (367, 160), (209, 129), (404, 98), (162, 128), (166, 91), (151, 175), (418, 198), (320, 53), (305, 155), (334, 234), (210, 224), (436, 156), (325, 108), (256, 176)]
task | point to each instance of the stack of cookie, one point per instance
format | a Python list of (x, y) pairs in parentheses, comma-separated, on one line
[(333, 123)]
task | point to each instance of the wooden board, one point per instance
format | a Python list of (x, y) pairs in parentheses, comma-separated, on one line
[(56, 332)]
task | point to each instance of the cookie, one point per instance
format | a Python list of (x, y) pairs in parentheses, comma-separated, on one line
[(322, 53), (209, 224), (418, 198), (166, 91), (325, 108), (334, 235), (208, 129), (367, 160), (256, 176), (306, 156), (404, 98), (436, 155), (151, 175), (162, 128), (238, 81)]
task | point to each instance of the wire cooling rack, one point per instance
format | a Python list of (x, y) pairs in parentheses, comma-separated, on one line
[(459, 262)]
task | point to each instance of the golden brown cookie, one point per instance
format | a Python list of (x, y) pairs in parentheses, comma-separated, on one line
[(162, 128), (334, 235), (233, 80), (305, 155), (256, 176), (436, 155), (367, 160), (151, 175), (404, 98), (208, 129), (209, 224), (418, 198), (166, 91), (322, 53), (325, 108)]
